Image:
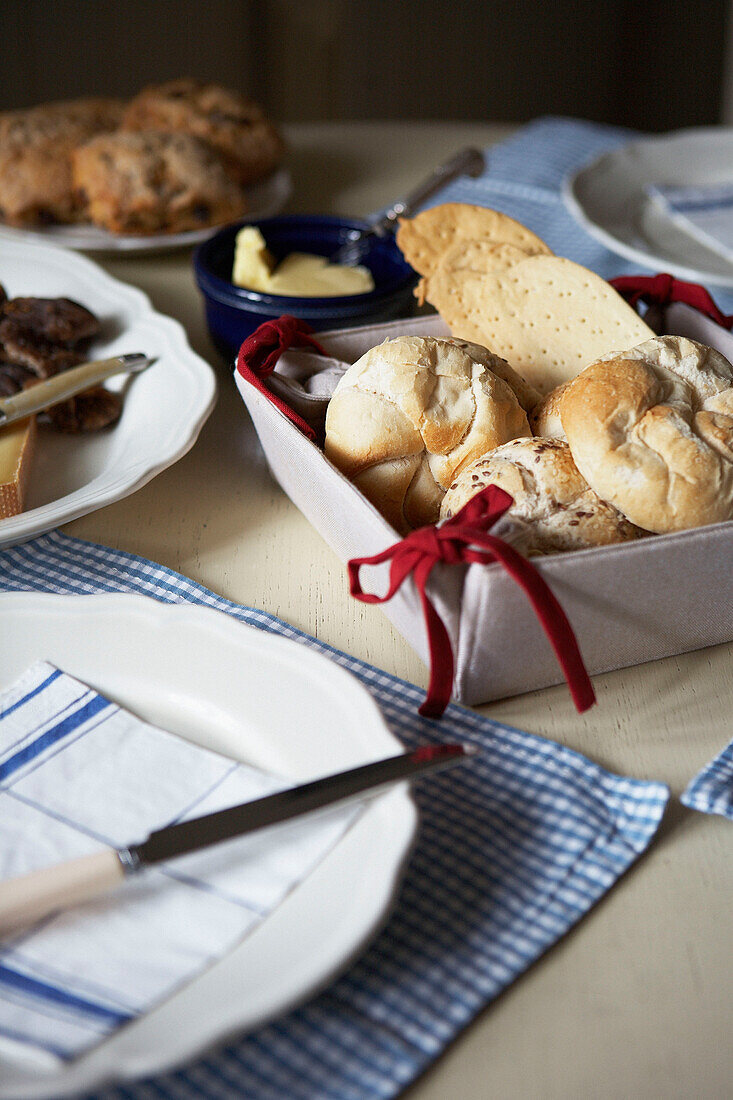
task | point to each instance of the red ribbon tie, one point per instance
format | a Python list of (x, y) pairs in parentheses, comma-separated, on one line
[(465, 539), (663, 289), (260, 352)]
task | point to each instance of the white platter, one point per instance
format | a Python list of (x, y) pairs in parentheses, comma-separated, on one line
[(265, 199), (164, 409), (608, 197), (210, 679)]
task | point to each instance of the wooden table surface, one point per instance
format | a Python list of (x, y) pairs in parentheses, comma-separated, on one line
[(636, 1001)]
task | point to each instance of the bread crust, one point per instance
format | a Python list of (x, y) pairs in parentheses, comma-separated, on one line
[(554, 506), (410, 414), (652, 431)]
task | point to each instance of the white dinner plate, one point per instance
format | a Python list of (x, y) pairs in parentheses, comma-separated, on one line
[(608, 197), (265, 199), (255, 697), (164, 408)]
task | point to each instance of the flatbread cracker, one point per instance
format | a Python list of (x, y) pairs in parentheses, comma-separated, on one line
[(471, 258), (482, 257), (426, 237), (547, 316)]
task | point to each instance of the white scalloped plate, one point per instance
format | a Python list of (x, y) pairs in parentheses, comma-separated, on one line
[(203, 675), (265, 199), (607, 197), (164, 409)]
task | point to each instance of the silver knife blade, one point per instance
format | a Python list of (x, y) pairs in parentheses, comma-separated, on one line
[(200, 832), (29, 898), (67, 383)]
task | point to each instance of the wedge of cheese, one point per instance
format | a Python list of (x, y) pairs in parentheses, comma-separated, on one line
[(16, 453)]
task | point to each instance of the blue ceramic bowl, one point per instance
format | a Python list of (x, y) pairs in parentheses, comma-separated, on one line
[(232, 312)]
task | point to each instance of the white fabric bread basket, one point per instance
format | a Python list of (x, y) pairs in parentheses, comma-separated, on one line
[(627, 603)]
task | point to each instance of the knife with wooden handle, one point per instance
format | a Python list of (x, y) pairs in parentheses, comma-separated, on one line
[(29, 898), (66, 384)]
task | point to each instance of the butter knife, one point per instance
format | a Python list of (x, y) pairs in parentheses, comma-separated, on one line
[(67, 383), (467, 162), (29, 898)]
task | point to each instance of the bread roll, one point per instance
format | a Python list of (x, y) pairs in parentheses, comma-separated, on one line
[(651, 430), (526, 395), (544, 418), (410, 414), (554, 507)]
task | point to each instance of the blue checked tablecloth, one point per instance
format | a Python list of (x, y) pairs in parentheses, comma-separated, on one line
[(711, 791), (512, 852)]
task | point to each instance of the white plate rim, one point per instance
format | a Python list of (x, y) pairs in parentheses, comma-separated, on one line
[(193, 409), (646, 257), (390, 821), (266, 198)]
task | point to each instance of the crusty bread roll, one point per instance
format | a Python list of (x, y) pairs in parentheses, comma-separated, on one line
[(410, 414), (651, 430), (554, 507), (526, 395), (544, 417)]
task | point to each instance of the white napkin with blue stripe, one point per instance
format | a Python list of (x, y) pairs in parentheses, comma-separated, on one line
[(79, 774), (703, 212)]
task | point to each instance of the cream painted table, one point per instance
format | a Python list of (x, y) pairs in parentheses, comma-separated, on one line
[(637, 1001)]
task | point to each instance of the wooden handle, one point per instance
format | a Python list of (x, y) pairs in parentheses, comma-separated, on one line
[(28, 899)]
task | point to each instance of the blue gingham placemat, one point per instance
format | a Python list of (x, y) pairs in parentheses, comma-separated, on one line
[(711, 791), (512, 852)]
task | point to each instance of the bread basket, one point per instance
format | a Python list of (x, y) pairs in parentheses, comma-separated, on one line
[(627, 603)]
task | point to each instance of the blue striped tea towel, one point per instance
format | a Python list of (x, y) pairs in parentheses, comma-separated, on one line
[(711, 791), (511, 853), (78, 775)]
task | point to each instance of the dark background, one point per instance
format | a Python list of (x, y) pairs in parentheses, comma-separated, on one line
[(651, 64)]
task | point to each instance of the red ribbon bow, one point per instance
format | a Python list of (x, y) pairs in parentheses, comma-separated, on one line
[(260, 352), (465, 538), (661, 290)]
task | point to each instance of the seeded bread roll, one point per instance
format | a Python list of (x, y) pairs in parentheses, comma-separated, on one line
[(409, 415), (651, 430), (553, 506)]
